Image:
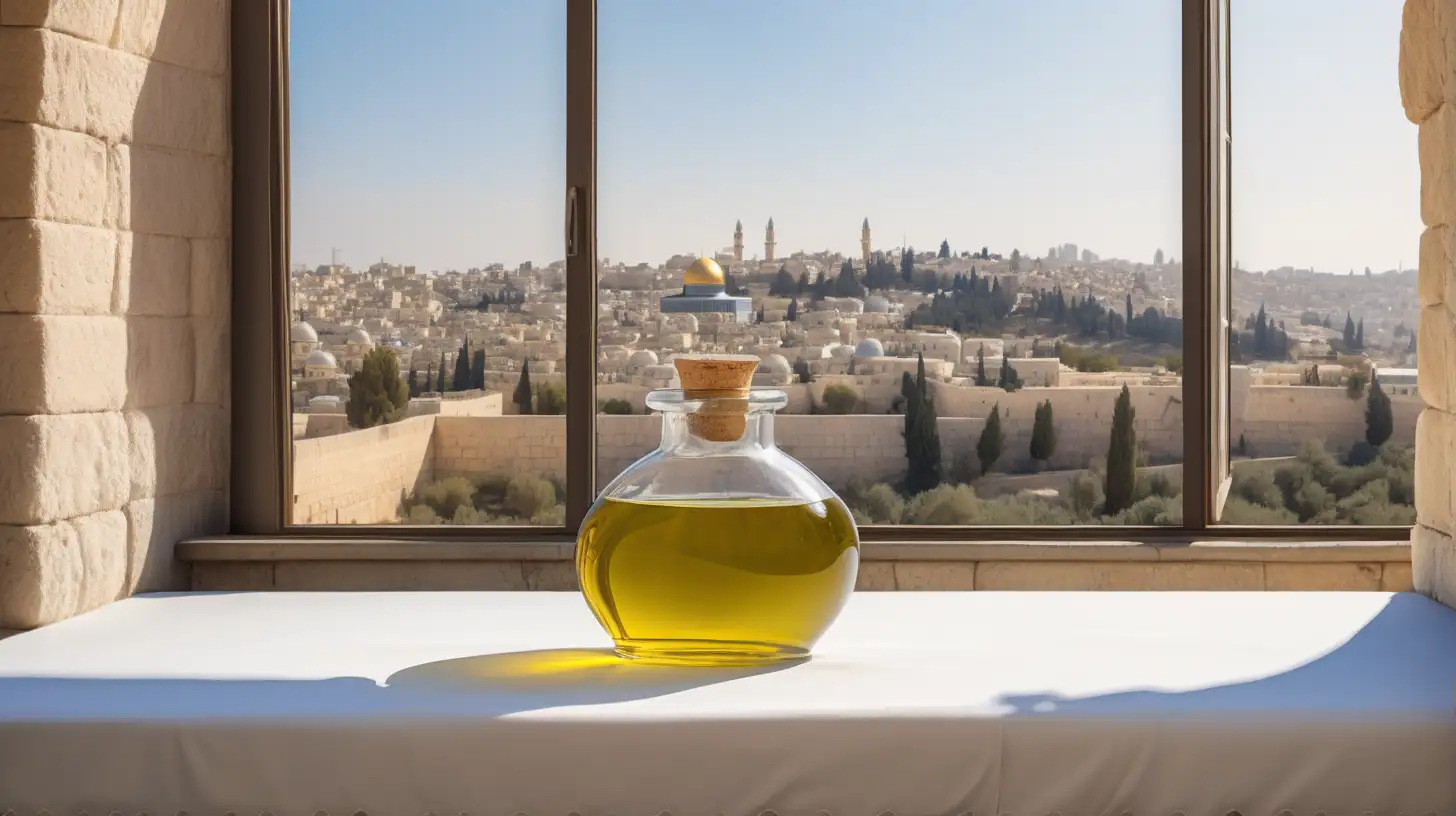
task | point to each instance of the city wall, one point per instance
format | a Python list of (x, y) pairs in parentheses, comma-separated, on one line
[(357, 477), (1277, 418)]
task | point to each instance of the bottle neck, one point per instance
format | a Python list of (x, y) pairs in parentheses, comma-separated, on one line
[(678, 436)]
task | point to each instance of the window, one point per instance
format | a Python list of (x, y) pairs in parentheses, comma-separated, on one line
[(427, 280), (992, 219), (1044, 211), (1323, 399)]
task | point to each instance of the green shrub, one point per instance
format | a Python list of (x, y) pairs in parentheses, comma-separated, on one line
[(553, 516), (421, 514), (448, 495), (1237, 510), (1155, 510), (1256, 486), (882, 504), (527, 495), (551, 399), (618, 407), (465, 514), (946, 504), (841, 399), (1084, 495)]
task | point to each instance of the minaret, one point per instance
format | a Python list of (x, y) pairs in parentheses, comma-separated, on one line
[(864, 242), (768, 242), (738, 243)]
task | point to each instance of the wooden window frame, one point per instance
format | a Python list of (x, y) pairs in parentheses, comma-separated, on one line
[(261, 477)]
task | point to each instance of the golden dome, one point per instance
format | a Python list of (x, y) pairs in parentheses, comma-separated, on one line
[(704, 272)]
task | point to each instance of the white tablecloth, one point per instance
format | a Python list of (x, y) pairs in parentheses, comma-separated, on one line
[(915, 703)]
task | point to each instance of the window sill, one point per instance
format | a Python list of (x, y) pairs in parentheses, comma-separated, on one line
[(297, 563), (1034, 703)]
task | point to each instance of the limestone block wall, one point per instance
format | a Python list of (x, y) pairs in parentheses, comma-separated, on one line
[(356, 477), (1428, 92), (115, 199), (476, 446), (1082, 416), (837, 448), (1276, 418)]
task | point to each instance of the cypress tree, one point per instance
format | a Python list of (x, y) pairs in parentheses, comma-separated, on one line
[(477, 370), (988, 447), (377, 394), (944, 249), (907, 265), (1379, 420), (760, 314), (1349, 332), (924, 454), (440, 384), (1129, 309), (522, 397), (414, 382), (1043, 434), (1121, 456), (1360, 334), (793, 314), (1010, 380), (981, 378), (461, 379)]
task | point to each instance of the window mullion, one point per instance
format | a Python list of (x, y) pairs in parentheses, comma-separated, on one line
[(579, 199)]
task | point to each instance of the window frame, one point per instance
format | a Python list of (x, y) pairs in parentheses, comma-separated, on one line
[(261, 471)]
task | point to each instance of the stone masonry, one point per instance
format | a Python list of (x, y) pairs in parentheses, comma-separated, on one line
[(115, 191), (1428, 92)]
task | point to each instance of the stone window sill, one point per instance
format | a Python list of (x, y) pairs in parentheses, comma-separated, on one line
[(261, 563)]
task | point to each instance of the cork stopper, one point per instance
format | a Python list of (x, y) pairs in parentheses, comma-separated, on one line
[(723, 380)]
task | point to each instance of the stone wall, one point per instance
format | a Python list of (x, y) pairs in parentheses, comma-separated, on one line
[(1428, 92), (1277, 418), (114, 297), (357, 477), (1082, 416)]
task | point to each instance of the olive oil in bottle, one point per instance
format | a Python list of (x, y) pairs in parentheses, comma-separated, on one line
[(737, 581)]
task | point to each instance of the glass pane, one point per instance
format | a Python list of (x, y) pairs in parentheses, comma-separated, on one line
[(1326, 226), (994, 187), (427, 290)]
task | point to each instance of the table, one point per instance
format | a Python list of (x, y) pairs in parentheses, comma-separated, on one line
[(915, 703)]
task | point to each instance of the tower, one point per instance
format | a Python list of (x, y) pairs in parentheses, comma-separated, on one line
[(864, 242), (738, 243), (768, 242)]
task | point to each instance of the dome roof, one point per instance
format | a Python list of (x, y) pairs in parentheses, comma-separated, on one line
[(869, 347), (359, 337), (775, 364), (642, 358), (319, 357), (876, 304), (841, 352), (302, 332), (704, 272)]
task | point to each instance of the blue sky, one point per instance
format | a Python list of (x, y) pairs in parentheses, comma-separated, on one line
[(438, 139)]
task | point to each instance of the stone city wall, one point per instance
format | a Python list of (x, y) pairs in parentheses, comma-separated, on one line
[(1275, 419), (476, 446), (357, 477)]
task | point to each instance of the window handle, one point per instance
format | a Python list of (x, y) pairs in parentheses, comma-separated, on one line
[(571, 221)]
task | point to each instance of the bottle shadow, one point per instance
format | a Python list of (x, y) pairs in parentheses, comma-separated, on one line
[(551, 678)]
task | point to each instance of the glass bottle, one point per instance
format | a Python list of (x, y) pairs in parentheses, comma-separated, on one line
[(717, 548)]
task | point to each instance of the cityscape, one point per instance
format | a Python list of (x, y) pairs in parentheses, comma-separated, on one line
[(1024, 356)]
